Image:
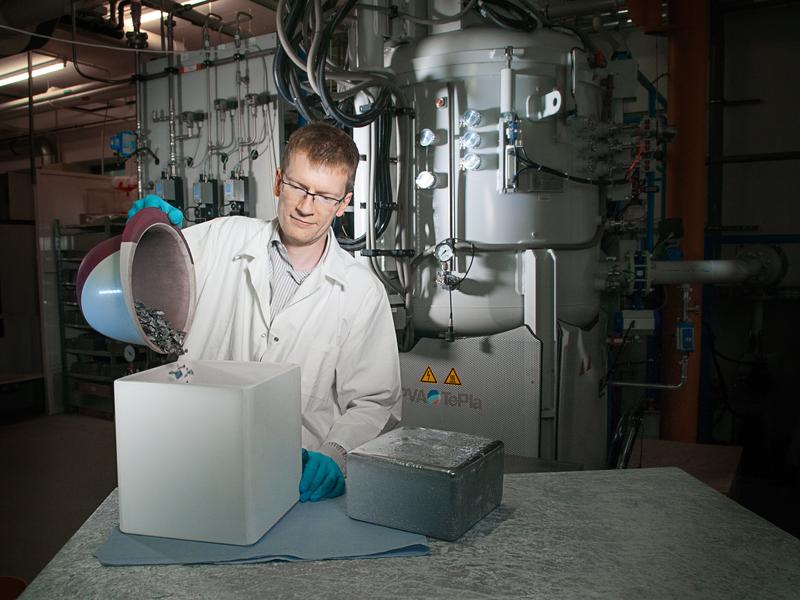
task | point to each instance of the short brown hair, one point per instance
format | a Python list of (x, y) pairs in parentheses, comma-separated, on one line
[(324, 146)]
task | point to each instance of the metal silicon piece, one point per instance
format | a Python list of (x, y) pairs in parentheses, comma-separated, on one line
[(159, 331)]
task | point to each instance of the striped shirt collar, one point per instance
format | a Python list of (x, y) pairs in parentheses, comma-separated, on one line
[(332, 263), (276, 243)]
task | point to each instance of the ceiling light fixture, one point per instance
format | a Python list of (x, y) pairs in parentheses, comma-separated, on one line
[(38, 70)]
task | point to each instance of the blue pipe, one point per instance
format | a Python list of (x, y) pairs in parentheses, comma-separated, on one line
[(651, 89)]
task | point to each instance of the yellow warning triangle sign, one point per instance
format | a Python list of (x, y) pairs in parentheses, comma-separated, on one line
[(428, 376), (453, 378)]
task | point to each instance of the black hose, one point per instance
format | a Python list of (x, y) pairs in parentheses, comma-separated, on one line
[(279, 77), (524, 20), (533, 165), (284, 70), (75, 55), (120, 13), (382, 197), (298, 97), (331, 108), (288, 76)]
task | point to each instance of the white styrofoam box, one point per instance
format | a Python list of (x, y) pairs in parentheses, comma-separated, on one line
[(217, 459)]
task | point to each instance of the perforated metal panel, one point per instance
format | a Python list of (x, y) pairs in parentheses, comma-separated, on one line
[(499, 395)]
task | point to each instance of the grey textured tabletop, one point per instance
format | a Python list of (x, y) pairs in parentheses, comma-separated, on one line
[(645, 533)]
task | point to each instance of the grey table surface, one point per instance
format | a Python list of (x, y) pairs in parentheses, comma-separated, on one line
[(644, 533)]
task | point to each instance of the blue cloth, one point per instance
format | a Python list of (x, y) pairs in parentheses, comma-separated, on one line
[(310, 531)]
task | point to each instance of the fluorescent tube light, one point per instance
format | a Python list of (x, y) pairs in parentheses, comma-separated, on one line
[(37, 72)]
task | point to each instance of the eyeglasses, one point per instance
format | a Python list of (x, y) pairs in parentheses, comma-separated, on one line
[(302, 192)]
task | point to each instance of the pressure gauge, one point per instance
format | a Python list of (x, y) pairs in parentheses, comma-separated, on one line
[(427, 137), (426, 180), (471, 118), (129, 353), (444, 252), (470, 162), (470, 139)]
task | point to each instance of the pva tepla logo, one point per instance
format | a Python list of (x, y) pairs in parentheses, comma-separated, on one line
[(438, 398)]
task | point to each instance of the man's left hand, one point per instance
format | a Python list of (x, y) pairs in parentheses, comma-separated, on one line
[(322, 477)]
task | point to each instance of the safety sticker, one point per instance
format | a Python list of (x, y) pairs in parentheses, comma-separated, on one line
[(428, 376), (453, 378)]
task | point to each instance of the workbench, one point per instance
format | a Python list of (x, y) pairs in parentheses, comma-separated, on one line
[(638, 533)]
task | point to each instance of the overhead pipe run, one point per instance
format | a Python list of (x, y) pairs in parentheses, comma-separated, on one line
[(582, 8), (82, 90), (28, 13), (48, 155), (33, 16), (270, 4), (187, 14)]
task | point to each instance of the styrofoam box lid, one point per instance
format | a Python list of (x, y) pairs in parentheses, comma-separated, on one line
[(214, 373), (427, 448)]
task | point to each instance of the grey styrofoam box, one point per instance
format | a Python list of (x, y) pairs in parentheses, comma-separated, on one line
[(437, 483), (214, 460)]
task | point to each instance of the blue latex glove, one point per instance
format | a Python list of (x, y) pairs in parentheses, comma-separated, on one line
[(321, 478), (153, 201)]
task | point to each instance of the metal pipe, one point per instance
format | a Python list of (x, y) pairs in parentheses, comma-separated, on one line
[(10, 140), (579, 8), (451, 166), (140, 141), (31, 152), (185, 13), (370, 232), (554, 362), (686, 293), (172, 165), (217, 63), (452, 176), (270, 4), (659, 386), (76, 92), (519, 247), (209, 105), (703, 271), (239, 113)]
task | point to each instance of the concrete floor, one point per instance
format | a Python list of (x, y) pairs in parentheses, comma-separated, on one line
[(55, 471)]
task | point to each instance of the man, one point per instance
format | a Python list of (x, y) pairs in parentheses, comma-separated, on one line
[(284, 291)]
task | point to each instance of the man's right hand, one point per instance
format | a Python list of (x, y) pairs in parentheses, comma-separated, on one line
[(322, 478), (153, 201)]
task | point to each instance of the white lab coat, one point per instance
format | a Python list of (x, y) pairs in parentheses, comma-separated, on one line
[(338, 327)]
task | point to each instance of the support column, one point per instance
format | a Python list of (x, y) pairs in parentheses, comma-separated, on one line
[(686, 195)]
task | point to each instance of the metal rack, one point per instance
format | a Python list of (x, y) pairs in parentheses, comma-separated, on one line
[(90, 361)]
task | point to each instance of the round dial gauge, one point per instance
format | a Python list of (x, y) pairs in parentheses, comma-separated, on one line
[(129, 353), (444, 252)]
